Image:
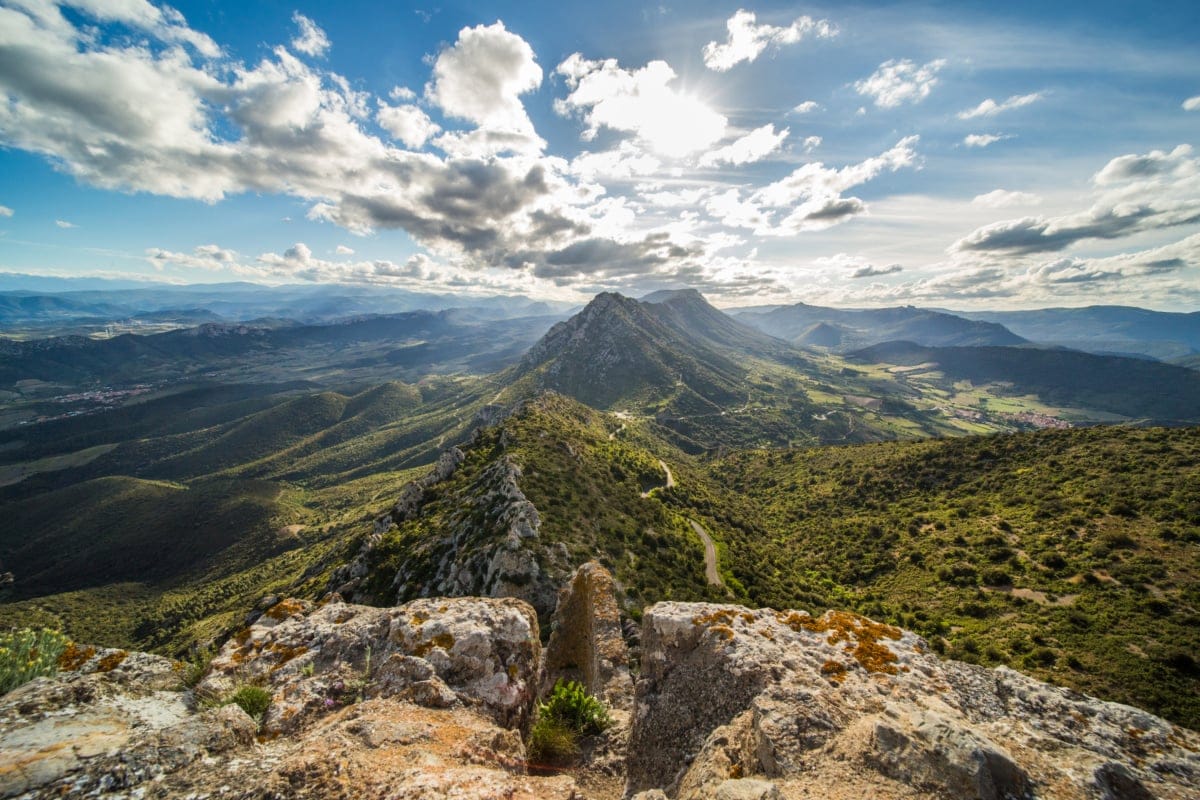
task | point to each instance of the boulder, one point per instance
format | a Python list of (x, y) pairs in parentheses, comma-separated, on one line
[(732, 701)]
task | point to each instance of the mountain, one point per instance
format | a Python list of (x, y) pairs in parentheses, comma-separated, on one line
[(1104, 329), (1131, 387), (619, 351), (857, 328)]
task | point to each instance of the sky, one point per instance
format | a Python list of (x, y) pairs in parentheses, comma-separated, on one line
[(951, 154)]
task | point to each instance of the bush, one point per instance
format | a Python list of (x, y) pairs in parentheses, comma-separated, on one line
[(569, 713), (27, 654), (254, 700), (552, 742), (570, 704)]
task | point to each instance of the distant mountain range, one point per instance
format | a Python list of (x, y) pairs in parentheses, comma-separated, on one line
[(843, 330)]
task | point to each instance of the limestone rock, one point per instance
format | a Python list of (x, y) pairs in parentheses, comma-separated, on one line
[(478, 652), (586, 642), (840, 706)]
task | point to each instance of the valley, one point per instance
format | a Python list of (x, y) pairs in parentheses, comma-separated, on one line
[(1013, 504)]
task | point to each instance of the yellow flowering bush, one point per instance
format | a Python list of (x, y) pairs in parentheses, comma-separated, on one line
[(26, 654)]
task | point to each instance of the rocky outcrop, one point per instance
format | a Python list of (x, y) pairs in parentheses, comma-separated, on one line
[(586, 642), (740, 703), (492, 548), (423, 700)]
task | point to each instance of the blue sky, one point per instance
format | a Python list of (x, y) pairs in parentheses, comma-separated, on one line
[(948, 154)]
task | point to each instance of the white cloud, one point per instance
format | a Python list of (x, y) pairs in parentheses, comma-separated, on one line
[(402, 93), (208, 257), (311, 40), (62, 223), (811, 143), (342, 250), (990, 108), (1002, 198), (984, 139), (626, 161), (746, 40), (900, 81), (807, 107), (640, 102), (754, 146), (1192, 103), (407, 123), (5, 211), (810, 198), (482, 76)]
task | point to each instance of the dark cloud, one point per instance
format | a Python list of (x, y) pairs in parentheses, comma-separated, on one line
[(1040, 235), (871, 271)]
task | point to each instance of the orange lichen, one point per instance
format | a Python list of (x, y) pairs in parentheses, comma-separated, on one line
[(723, 616), (834, 669), (285, 653), (242, 636), (74, 657), (111, 661), (285, 608), (442, 640), (860, 634), (723, 631)]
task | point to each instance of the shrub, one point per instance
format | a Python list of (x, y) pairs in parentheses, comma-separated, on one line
[(196, 667), (26, 654), (254, 700), (570, 704), (552, 742), (568, 713)]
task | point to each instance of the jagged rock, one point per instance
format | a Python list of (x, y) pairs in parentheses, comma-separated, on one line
[(492, 549), (482, 653), (840, 706), (419, 701), (586, 643)]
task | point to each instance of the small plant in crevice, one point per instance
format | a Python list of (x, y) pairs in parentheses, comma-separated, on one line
[(254, 700), (568, 714), (196, 666)]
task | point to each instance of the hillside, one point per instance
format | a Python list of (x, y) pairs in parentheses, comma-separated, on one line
[(1105, 329)]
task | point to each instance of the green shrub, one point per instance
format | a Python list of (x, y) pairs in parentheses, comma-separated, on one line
[(26, 654), (254, 700), (196, 667), (570, 704), (552, 742)]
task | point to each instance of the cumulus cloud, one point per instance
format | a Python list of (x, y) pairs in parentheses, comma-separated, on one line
[(754, 146), (746, 40), (342, 250), (807, 107), (984, 139), (1137, 193), (900, 81), (640, 102), (311, 40), (990, 108), (811, 143), (1192, 103), (407, 123), (5, 211), (62, 223), (208, 257), (481, 77)]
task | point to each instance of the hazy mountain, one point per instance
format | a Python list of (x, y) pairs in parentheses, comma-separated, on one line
[(857, 328), (1104, 329), (1131, 387)]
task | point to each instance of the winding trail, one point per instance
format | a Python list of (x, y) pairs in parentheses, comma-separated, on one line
[(710, 550), (710, 555)]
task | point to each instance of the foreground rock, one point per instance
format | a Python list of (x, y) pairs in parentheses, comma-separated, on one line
[(420, 701), (762, 704)]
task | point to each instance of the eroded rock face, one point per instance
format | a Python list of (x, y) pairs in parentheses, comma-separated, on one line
[(586, 642), (840, 706), (423, 700), (465, 651)]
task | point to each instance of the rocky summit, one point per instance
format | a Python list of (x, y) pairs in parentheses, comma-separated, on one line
[(434, 699)]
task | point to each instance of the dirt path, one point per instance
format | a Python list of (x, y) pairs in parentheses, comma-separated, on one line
[(710, 555), (670, 479)]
